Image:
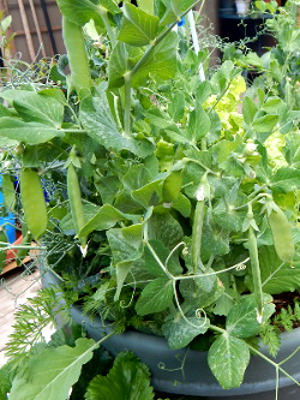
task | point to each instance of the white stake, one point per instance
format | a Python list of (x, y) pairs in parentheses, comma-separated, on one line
[(195, 42)]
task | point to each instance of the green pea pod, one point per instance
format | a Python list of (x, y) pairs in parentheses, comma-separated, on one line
[(78, 60), (74, 194), (34, 205), (282, 235)]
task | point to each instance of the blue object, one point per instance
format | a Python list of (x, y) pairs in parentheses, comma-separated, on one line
[(182, 22), (7, 221)]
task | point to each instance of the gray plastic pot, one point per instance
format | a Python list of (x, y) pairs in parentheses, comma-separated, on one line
[(186, 371)]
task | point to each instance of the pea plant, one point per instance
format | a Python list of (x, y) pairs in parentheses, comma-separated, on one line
[(168, 185)]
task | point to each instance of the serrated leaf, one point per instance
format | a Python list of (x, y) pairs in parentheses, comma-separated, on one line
[(242, 319), (129, 379), (249, 110), (180, 333), (27, 132), (51, 374), (138, 28), (155, 297), (34, 107), (228, 358)]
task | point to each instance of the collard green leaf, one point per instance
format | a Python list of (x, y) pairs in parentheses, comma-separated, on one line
[(27, 132), (161, 64), (51, 374), (138, 27), (180, 333), (249, 110), (129, 379), (97, 120), (106, 218), (34, 107), (285, 180), (228, 358), (242, 318), (155, 297)]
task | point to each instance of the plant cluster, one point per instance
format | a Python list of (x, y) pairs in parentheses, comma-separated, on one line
[(174, 204)]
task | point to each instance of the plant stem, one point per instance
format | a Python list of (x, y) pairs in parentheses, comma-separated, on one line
[(197, 234), (127, 125), (109, 30)]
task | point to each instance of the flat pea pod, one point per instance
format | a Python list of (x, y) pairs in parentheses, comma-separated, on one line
[(78, 60), (74, 194), (282, 235), (34, 205)]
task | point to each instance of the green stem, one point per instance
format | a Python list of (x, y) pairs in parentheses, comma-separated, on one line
[(127, 124), (197, 234), (108, 27), (256, 275)]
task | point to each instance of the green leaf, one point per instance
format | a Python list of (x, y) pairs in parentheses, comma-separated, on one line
[(136, 177), (171, 187), (129, 379), (155, 297), (51, 374), (27, 132), (285, 180), (138, 28), (265, 124), (80, 12), (165, 228), (175, 9), (161, 64), (5, 381), (180, 332), (34, 107), (183, 205), (202, 291), (176, 108), (249, 110), (98, 121), (199, 124), (242, 319), (106, 218), (8, 191), (228, 358), (144, 195)]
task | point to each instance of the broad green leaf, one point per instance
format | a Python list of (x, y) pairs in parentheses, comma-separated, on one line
[(162, 62), (51, 374), (166, 229), (145, 193), (6, 112), (273, 105), (34, 107), (9, 193), (249, 110), (228, 218), (106, 218), (171, 187), (136, 177), (67, 223), (265, 124), (199, 124), (176, 108), (129, 379), (175, 9), (228, 358), (146, 5), (97, 120), (6, 376), (27, 132), (180, 332), (138, 28), (155, 297), (242, 318), (203, 91), (286, 180), (183, 205), (203, 291), (56, 94)]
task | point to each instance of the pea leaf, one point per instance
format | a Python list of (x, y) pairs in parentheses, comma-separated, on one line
[(144, 194), (153, 267), (249, 110), (165, 228), (161, 64), (155, 297), (51, 374), (228, 358), (265, 124), (180, 333), (98, 121), (242, 318), (285, 180), (199, 124), (175, 9), (106, 218), (128, 379), (34, 107), (27, 132), (138, 28)]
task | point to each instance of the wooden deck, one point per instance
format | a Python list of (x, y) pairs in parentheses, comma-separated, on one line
[(15, 288)]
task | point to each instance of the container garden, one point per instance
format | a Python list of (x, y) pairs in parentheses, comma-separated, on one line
[(175, 206)]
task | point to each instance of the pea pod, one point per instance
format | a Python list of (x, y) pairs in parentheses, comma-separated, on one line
[(34, 205), (282, 235), (3, 238), (78, 60), (74, 194)]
